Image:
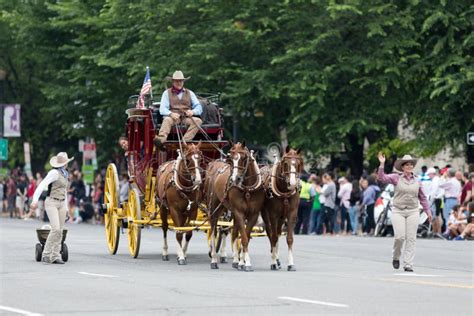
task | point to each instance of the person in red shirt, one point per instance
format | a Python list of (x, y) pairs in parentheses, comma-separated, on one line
[(466, 193)]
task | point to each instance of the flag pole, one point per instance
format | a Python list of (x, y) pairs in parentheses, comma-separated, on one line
[(151, 87)]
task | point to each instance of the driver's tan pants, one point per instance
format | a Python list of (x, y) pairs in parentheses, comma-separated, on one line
[(405, 225), (56, 211), (168, 123)]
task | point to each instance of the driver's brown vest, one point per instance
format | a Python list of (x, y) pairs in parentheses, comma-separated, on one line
[(177, 105)]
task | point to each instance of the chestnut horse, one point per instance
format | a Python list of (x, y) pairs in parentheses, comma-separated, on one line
[(179, 188), (281, 182), (235, 185)]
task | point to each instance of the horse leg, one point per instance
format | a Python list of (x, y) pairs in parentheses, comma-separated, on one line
[(235, 246), (274, 244), (189, 234), (164, 219), (223, 252), (188, 237), (289, 240), (281, 221), (178, 222), (266, 221), (213, 243), (247, 229)]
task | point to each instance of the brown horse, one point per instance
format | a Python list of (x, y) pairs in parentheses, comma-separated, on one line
[(179, 188), (281, 182), (235, 185)]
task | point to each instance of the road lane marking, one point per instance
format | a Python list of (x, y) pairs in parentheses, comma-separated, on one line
[(18, 311), (416, 275), (311, 301), (99, 275), (458, 286)]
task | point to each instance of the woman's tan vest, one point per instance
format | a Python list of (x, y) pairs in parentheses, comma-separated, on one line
[(406, 194), (57, 189), (177, 105)]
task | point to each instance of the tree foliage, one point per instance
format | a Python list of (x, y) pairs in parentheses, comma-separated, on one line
[(331, 73)]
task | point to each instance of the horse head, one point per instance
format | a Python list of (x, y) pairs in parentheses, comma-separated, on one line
[(193, 159), (292, 166), (238, 158)]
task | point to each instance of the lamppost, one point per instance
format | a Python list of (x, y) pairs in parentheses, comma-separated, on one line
[(3, 75)]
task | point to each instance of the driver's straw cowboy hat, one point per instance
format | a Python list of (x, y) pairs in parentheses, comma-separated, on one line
[(178, 75), (60, 160), (399, 162)]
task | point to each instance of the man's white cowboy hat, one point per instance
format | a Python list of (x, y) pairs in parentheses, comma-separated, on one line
[(60, 160), (178, 75), (407, 158)]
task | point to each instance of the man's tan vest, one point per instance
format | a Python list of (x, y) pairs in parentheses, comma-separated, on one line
[(177, 105), (57, 189), (406, 194)]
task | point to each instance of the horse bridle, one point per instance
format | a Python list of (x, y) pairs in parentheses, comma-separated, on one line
[(248, 160), (195, 156), (285, 164)]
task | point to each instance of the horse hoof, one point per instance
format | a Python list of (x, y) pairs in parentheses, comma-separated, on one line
[(273, 267), (278, 263), (214, 265), (223, 260), (240, 267), (165, 258), (235, 265), (248, 268), (291, 268), (182, 262)]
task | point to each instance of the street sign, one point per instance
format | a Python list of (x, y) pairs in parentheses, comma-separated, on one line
[(470, 138), (3, 149), (11, 120), (88, 174), (89, 151)]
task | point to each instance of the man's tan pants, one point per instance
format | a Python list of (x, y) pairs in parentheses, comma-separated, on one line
[(405, 225), (168, 123), (56, 211)]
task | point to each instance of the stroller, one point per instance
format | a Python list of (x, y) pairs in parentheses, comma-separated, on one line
[(424, 228), (42, 234)]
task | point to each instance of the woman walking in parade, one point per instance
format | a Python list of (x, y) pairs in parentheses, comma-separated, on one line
[(405, 213), (55, 204)]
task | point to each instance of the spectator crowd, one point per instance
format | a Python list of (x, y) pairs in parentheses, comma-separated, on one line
[(344, 206), (329, 205)]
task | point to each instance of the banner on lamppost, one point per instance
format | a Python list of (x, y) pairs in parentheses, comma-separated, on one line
[(26, 148), (11, 120)]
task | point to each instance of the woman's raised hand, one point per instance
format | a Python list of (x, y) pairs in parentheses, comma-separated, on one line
[(381, 158)]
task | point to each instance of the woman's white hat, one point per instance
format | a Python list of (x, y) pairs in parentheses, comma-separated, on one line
[(407, 158), (60, 160)]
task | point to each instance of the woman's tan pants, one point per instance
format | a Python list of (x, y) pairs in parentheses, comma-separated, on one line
[(405, 225), (56, 211)]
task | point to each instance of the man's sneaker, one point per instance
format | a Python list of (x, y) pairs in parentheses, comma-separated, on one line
[(459, 238), (158, 144), (58, 261), (408, 269), (396, 264)]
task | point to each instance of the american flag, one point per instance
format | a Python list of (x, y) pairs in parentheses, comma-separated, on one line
[(146, 88)]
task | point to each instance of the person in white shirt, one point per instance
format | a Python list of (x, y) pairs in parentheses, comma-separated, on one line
[(344, 195), (56, 205), (435, 197)]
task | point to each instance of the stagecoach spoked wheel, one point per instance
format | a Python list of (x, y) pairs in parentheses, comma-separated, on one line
[(217, 241), (134, 230), (111, 201)]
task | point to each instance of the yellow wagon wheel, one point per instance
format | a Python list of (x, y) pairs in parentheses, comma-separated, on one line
[(134, 213), (111, 201)]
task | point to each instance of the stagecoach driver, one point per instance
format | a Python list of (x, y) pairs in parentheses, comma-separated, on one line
[(56, 205), (178, 105)]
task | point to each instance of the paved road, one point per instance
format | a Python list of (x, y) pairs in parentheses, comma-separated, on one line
[(336, 275)]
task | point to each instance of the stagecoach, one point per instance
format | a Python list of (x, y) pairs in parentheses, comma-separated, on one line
[(143, 161)]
